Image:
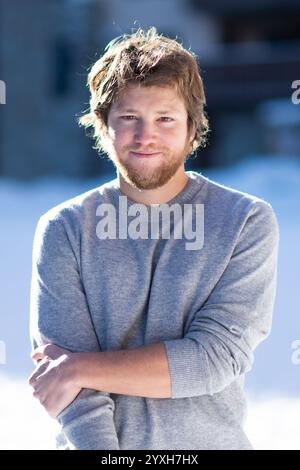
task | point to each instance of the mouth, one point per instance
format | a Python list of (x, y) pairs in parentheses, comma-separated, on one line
[(145, 155)]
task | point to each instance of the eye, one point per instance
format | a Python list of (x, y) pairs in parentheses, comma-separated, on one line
[(166, 119), (128, 118)]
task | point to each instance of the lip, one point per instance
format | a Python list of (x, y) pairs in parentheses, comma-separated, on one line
[(145, 155)]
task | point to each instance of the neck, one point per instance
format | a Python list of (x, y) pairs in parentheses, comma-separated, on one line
[(155, 196)]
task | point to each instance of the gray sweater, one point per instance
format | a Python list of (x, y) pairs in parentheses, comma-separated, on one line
[(209, 302)]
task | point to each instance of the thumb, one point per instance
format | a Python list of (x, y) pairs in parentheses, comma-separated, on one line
[(39, 353)]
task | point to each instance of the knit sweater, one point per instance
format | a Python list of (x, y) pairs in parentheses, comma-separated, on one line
[(206, 293)]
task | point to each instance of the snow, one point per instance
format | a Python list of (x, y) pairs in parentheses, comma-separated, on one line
[(272, 386)]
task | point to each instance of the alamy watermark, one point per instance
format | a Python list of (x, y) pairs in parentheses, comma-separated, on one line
[(295, 358), (188, 222), (296, 93), (2, 352), (2, 92)]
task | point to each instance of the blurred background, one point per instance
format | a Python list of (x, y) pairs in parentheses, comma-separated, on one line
[(249, 55)]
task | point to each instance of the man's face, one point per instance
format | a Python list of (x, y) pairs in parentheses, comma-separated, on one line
[(148, 135)]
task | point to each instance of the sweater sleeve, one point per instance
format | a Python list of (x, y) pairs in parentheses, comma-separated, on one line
[(59, 314), (236, 317)]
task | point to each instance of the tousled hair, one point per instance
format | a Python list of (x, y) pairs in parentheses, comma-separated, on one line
[(148, 59)]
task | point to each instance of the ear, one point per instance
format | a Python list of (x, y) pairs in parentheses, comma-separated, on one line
[(192, 133), (192, 138)]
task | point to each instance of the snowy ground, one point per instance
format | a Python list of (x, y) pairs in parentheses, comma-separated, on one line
[(272, 422), (272, 386)]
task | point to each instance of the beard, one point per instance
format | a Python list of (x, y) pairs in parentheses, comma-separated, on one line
[(146, 176)]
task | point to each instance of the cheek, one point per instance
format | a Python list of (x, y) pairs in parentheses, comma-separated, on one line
[(122, 136), (171, 137), (175, 137)]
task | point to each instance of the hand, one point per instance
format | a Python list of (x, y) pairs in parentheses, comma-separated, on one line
[(53, 378), (49, 350)]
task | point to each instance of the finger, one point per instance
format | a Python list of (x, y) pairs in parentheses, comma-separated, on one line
[(51, 350), (41, 351), (38, 371), (37, 357), (39, 396)]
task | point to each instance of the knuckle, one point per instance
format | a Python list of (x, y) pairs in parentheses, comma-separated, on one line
[(46, 349)]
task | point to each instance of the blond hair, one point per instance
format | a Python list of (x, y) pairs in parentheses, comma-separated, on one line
[(147, 58)]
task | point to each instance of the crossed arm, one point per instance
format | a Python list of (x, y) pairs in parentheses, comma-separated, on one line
[(60, 374), (217, 347), (68, 353)]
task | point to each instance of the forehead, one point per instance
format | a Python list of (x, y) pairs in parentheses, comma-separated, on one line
[(133, 96)]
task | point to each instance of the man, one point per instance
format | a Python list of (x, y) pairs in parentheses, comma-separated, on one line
[(142, 337)]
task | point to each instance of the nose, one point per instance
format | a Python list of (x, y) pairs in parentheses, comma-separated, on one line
[(145, 134)]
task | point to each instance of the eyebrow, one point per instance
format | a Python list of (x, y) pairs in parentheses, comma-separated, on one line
[(131, 110)]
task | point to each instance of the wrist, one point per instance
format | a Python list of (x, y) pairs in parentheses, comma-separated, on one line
[(74, 369)]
